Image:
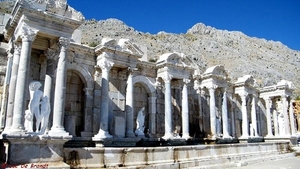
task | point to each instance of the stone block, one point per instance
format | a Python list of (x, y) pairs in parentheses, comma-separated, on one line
[(119, 126)]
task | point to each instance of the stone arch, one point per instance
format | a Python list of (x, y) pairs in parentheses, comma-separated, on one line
[(84, 74), (147, 83)]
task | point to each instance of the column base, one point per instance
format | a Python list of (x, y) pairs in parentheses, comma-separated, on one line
[(14, 131), (186, 136), (101, 135), (58, 132), (129, 134), (168, 136)]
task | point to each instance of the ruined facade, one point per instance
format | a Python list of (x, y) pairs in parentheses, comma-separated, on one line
[(96, 93)]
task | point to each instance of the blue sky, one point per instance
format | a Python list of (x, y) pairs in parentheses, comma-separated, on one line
[(277, 20)]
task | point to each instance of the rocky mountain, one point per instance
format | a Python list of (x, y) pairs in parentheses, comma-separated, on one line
[(268, 61)]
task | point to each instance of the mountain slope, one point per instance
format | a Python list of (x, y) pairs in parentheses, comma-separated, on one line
[(268, 61)]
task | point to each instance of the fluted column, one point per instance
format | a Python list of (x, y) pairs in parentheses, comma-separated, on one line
[(212, 109), (253, 116), (185, 110), (225, 116), (27, 35), (12, 86), (245, 124), (292, 118), (268, 112), (129, 105), (105, 66), (168, 110), (58, 128), (152, 114), (5, 88), (199, 94), (233, 132), (285, 115)]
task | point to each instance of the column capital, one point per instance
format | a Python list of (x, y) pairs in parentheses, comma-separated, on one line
[(212, 88), (27, 34), (17, 47), (186, 81), (105, 65), (284, 96), (64, 42), (167, 78), (51, 54)]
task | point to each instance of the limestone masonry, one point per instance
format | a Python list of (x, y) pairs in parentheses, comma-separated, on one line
[(91, 94)]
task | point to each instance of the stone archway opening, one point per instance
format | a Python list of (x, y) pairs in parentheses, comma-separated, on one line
[(141, 100), (74, 104)]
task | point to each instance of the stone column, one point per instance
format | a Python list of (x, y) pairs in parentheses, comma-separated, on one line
[(285, 115), (168, 110), (268, 114), (199, 93), (12, 86), (88, 113), (185, 110), (129, 105), (253, 116), (245, 124), (212, 109), (48, 86), (275, 122), (105, 66), (5, 88), (27, 35), (152, 114), (225, 116), (292, 118), (233, 132), (58, 128)]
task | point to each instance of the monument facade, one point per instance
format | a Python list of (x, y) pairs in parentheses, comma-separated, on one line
[(59, 90)]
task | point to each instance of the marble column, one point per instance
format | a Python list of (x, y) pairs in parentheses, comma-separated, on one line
[(168, 110), (88, 115), (152, 115), (48, 86), (5, 88), (58, 128), (275, 122), (185, 110), (233, 132), (225, 116), (253, 117), (268, 114), (285, 115), (212, 110), (292, 119), (27, 35), (12, 86), (199, 94), (245, 123), (103, 133), (129, 105)]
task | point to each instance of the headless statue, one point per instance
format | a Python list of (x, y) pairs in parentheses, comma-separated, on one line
[(34, 105), (140, 120)]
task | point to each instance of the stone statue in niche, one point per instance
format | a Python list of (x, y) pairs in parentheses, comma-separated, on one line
[(34, 106), (281, 124), (34, 103), (140, 120)]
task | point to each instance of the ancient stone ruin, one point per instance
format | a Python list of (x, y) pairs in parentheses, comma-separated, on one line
[(66, 104)]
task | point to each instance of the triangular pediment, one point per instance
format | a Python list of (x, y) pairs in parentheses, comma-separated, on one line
[(176, 59), (122, 45)]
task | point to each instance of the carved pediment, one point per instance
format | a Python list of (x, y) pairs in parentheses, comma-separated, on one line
[(286, 84), (123, 45), (176, 59), (218, 72), (59, 7)]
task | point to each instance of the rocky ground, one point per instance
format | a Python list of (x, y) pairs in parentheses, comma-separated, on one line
[(268, 61)]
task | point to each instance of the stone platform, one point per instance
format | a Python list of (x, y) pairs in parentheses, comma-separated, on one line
[(174, 156)]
